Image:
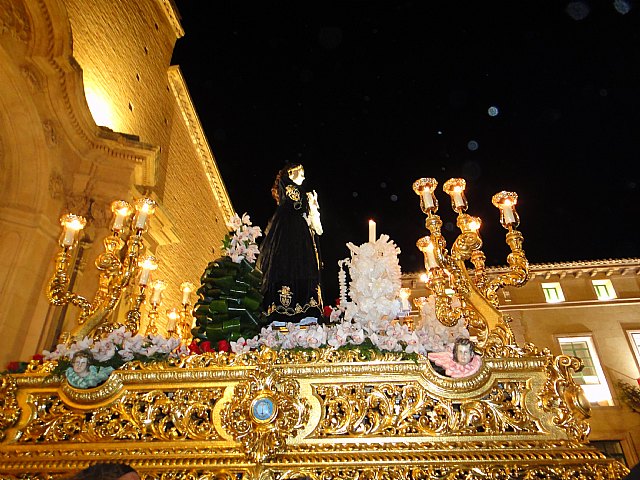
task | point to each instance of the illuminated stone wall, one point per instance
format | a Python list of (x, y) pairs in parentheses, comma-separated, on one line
[(70, 67)]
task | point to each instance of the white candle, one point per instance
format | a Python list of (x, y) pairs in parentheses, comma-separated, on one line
[(141, 219), (157, 296), (69, 237), (431, 258), (458, 201), (144, 276), (186, 293), (158, 288), (118, 222), (173, 320), (372, 231), (507, 210), (427, 198), (71, 225)]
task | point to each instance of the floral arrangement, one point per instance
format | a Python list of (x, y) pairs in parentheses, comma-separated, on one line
[(116, 349), (383, 334), (229, 297), (241, 245), (375, 283)]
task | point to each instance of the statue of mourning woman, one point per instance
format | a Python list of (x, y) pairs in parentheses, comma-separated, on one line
[(289, 257)]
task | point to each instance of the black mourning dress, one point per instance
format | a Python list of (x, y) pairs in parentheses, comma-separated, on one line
[(289, 259)]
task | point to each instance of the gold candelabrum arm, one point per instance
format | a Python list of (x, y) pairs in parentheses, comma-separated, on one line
[(58, 288), (518, 273), (115, 275), (476, 298)]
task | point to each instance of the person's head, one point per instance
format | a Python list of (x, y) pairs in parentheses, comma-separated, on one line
[(296, 174), (107, 471), (288, 171), (463, 350), (80, 363)]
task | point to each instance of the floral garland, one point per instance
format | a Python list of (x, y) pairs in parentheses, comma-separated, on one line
[(116, 349), (242, 244)]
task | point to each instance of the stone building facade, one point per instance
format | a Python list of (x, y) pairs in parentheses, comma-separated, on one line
[(91, 111), (589, 309)]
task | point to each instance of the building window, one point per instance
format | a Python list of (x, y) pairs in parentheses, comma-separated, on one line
[(604, 289), (552, 292), (634, 336), (611, 449), (591, 378)]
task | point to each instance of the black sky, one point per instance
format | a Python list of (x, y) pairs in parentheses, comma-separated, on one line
[(371, 95)]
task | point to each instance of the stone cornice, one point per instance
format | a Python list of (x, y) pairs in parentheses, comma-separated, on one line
[(612, 264), (173, 16), (200, 143)]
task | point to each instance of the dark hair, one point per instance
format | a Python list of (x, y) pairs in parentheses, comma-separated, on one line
[(284, 172), (82, 353), (104, 471), (461, 341)]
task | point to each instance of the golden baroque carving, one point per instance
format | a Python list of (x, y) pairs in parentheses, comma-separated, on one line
[(408, 410), (265, 410), (32, 78), (15, 20), (564, 398), (147, 416), (9, 408), (56, 185), (50, 135)]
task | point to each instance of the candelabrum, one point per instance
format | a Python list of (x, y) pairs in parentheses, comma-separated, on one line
[(448, 269), (185, 322), (117, 269)]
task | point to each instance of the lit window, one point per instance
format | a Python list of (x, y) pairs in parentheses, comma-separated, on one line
[(604, 289), (634, 336), (591, 378), (552, 292)]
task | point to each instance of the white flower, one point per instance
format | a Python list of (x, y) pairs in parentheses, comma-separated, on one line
[(246, 219), (338, 335), (240, 346), (103, 350), (234, 222)]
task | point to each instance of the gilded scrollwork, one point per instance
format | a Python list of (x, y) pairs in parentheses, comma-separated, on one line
[(264, 432), (149, 416), (9, 407), (564, 399), (388, 409), (319, 414)]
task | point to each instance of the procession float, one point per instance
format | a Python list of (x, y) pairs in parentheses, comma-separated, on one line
[(379, 389)]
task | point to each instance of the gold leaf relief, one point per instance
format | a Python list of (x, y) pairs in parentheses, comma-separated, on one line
[(407, 409), (148, 416)]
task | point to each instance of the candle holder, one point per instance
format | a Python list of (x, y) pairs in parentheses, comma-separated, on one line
[(173, 315), (117, 269), (447, 269), (152, 328)]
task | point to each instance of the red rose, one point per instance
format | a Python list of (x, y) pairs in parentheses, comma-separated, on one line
[(194, 348), (37, 358), (13, 366), (327, 311), (224, 346), (206, 347)]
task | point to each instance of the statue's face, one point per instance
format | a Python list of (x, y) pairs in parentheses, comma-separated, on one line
[(297, 176), (464, 354), (80, 364)]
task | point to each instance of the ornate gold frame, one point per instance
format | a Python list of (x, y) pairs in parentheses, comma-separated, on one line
[(338, 415)]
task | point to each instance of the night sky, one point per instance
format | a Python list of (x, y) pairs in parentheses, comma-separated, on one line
[(369, 96)]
